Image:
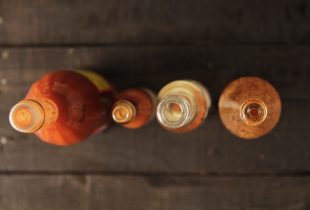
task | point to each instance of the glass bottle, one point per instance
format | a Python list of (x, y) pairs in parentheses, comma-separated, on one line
[(249, 107), (183, 105), (65, 107), (135, 107)]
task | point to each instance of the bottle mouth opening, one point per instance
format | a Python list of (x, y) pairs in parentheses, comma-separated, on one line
[(27, 116), (253, 111), (123, 112), (174, 111)]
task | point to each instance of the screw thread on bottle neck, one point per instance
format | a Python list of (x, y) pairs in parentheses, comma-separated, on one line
[(253, 111), (30, 115), (123, 112), (175, 111)]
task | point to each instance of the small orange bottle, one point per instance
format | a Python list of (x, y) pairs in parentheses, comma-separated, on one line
[(183, 105), (65, 107), (135, 107), (250, 107)]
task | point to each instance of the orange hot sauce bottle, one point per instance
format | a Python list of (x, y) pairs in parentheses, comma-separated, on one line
[(65, 107), (135, 108), (250, 107)]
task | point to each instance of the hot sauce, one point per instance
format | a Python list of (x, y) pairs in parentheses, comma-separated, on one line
[(250, 107), (65, 107), (135, 107)]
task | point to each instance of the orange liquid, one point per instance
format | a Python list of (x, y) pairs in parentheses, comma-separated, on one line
[(199, 117), (82, 109), (250, 107), (143, 103)]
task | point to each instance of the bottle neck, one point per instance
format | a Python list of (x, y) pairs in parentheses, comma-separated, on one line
[(123, 112), (253, 111), (31, 115), (176, 111)]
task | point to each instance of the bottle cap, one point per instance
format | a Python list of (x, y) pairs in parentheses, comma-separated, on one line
[(27, 116), (123, 112)]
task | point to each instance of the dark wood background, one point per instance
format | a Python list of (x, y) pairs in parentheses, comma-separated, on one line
[(149, 43)]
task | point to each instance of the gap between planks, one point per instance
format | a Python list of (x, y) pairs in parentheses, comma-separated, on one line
[(150, 44), (158, 174)]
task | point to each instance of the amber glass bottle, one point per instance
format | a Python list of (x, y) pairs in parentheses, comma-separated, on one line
[(183, 105), (134, 108), (250, 107), (65, 107)]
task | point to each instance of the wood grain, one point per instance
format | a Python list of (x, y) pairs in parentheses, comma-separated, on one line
[(210, 149), (150, 43), (287, 68), (44, 22), (33, 192)]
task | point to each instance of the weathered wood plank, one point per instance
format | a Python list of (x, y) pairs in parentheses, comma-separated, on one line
[(210, 149), (140, 21), (33, 192), (285, 67)]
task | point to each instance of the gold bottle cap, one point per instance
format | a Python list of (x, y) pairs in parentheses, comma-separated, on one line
[(123, 112), (27, 116)]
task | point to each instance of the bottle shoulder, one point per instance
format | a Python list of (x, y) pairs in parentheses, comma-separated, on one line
[(138, 95), (79, 104)]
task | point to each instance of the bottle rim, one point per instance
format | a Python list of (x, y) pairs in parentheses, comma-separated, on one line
[(27, 116), (180, 118), (123, 111), (259, 108)]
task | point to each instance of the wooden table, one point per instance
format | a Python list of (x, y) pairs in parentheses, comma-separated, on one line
[(149, 43)]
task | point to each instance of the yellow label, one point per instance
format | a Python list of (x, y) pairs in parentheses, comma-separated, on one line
[(96, 79)]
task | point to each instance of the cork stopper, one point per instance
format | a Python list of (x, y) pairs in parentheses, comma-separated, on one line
[(27, 116), (123, 112)]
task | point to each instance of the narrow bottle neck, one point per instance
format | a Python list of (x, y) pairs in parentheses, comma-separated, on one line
[(123, 112), (176, 111), (253, 111), (31, 115)]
